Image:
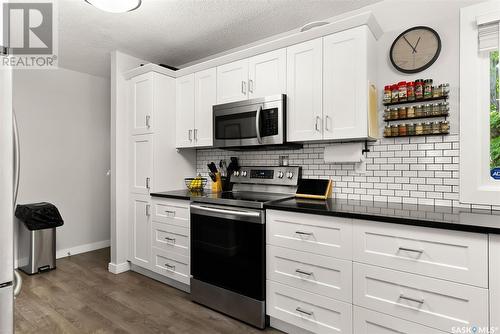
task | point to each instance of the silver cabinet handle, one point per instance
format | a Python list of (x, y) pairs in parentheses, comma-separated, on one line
[(405, 249), (18, 283), (250, 86), (196, 134), (257, 124), (148, 210), (300, 271), (170, 212), (326, 122), (172, 240), (419, 301), (316, 125), (244, 87), (303, 233), (309, 313), (148, 118), (190, 133), (170, 267), (148, 180), (17, 157)]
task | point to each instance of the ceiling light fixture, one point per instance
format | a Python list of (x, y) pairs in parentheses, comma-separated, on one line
[(115, 6)]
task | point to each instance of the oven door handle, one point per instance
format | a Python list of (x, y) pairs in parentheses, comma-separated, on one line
[(257, 124), (224, 211)]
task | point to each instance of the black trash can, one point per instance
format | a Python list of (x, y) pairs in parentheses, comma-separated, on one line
[(37, 236)]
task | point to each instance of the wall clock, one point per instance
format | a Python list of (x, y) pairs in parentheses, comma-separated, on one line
[(415, 49)]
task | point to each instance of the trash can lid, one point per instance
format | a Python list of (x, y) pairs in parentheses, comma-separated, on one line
[(39, 216)]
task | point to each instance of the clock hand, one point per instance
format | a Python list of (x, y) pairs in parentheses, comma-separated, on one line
[(411, 46), (415, 48)]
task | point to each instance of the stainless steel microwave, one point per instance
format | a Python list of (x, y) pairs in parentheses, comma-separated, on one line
[(251, 122)]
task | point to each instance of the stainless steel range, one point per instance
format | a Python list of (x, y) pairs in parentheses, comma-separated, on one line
[(228, 240)]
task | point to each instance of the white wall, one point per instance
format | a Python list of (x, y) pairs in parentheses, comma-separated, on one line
[(64, 124)]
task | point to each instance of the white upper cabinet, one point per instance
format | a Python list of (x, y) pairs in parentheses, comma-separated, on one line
[(304, 91), (185, 106), (232, 82), (267, 74), (345, 84), (141, 104), (141, 164), (205, 92)]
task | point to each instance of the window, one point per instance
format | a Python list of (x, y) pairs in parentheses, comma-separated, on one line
[(479, 104)]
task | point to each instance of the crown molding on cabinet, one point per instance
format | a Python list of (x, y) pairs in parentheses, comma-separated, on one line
[(365, 18)]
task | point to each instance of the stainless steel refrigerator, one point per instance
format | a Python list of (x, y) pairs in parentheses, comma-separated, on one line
[(10, 281)]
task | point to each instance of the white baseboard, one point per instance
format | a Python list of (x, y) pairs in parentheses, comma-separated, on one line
[(118, 268), (82, 249)]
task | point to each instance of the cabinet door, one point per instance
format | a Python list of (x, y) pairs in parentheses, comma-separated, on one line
[(232, 82), (205, 92), (141, 164), (184, 111), (140, 231), (141, 104), (267, 74), (345, 85), (304, 91)]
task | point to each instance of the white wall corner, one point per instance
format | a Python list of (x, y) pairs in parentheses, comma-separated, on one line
[(118, 268)]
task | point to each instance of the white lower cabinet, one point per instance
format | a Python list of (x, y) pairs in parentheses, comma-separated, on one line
[(140, 231), (371, 322), (171, 265), (435, 303), (308, 311), (171, 238)]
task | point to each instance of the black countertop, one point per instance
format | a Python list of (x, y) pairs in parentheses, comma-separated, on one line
[(452, 218), (180, 194)]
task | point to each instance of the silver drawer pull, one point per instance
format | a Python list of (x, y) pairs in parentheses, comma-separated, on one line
[(419, 301), (170, 212), (309, 313), (303, 233), (148, 119), (170, 267), (299, 271), (170, 239), (413, 250)]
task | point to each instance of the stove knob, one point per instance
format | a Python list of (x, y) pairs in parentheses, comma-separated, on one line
[(236, 173), (289, 175), (280, 175), (244, 173)]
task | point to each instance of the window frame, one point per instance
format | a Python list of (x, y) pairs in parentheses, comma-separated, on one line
[(476, 184)]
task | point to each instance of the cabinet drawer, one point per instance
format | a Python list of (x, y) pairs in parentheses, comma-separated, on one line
[(175, 212), (330, 236), (371, 322), (171, 238), (452, 255), (319, 274), (171, 265), (309, 311), (427, 301)]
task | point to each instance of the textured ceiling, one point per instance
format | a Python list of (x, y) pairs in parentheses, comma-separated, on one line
[(177, 32)]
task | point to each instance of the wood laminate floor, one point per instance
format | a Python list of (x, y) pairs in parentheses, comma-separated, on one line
[(81, 296)]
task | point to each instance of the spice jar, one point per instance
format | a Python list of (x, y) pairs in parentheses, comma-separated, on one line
[(419, 111), (427, 88), (387, 114), (436, 128), (402, 91), (410, 129), (394, 93), (437, 91), (419, 129), (444, 127), (402, 129), (445, 107), (427, 128), (436, 109), (394, 131), (427, 109), (446, 89), (419, 89), (401, 112), (410, 91), (387, 131), (394, 113), (410, 111), (387, 94)]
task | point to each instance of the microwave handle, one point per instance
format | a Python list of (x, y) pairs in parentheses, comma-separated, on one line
[(257, 124)]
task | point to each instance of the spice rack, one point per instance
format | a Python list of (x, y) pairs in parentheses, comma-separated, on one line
[(430, 99)]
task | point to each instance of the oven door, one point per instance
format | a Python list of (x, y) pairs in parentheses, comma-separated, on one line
[(228, 248), (249, 123)]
